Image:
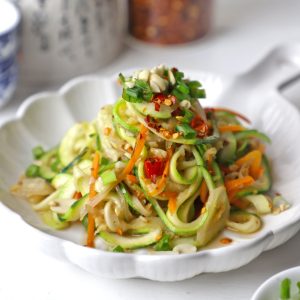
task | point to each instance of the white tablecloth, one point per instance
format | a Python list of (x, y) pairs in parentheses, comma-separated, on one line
[(245, 30)]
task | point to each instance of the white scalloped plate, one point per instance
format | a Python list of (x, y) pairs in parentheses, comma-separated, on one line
[(44, 118), (270, 289)]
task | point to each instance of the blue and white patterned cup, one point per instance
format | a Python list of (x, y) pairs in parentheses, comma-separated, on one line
[(9, 21)]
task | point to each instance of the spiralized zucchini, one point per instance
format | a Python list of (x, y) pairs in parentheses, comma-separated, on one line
[(154, 170)]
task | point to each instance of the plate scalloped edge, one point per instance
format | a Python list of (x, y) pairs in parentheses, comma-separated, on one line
[(161, 267)]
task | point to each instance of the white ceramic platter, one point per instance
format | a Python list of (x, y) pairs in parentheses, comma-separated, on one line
[(44, 118), (270, 289)]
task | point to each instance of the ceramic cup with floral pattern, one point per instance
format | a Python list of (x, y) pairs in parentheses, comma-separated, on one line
[(65, 38)]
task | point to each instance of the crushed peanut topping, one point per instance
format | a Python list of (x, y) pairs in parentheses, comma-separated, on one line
[(175, 135), (107, 131)]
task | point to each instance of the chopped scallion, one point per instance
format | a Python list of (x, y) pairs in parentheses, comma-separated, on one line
[(118, 249), (193, 84), (122, 78), (38, 152), (183, 88), (187, 130), (55, 166), (285, 288), (32, 171), (187, 117), (108, 177), (163, 244)]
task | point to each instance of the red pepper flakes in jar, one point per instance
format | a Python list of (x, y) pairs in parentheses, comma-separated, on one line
[(169, 21)]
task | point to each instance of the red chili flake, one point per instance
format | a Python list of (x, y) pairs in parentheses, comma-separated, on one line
[(159, 98), (177, 112), (200, 126), (157, 106), (148, 119), (152, 123), (154, 167), (174, 69)]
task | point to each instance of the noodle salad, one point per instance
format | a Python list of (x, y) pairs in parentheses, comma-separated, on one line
[(155, 170)]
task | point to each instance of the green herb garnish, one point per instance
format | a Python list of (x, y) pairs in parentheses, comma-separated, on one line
[(38, 152), (187, 90), (163, 244), (108, 177), (187, 131), (55, 166), (140, 92), (285, 289), (118, 249), (187, 117), (32, 171)]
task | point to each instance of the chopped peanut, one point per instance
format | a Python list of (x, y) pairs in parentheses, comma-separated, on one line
[(168, 102), (107, 131), (175, 135)]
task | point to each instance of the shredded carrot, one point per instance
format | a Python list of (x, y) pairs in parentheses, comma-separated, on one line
[(231, 128), (163, 180), (92, 194), (168, 194), (131, 178), (136, 152), (225, 241), (239, 183), (213, 109), (77, 195), (172, 204), (254, 159), (203, 192)]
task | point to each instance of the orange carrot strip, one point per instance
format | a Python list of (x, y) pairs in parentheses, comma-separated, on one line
[(168, 194), (92, 194), (254, 159), (203, 192), (232, 128), (136, 152), (239, 183), (91, 231), (140, 142), (172, 204), (131, 178), (77, 195), (213, 109), (163, 180)]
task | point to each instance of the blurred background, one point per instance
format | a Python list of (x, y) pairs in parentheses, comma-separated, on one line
[(50, 42)]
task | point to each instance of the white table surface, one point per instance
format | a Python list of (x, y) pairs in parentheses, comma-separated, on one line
[(245, 30)]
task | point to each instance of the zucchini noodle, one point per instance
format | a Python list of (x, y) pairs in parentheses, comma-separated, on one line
[(171, 175)]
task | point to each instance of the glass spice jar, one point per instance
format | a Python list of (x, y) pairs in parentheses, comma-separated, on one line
[(169, 21)]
